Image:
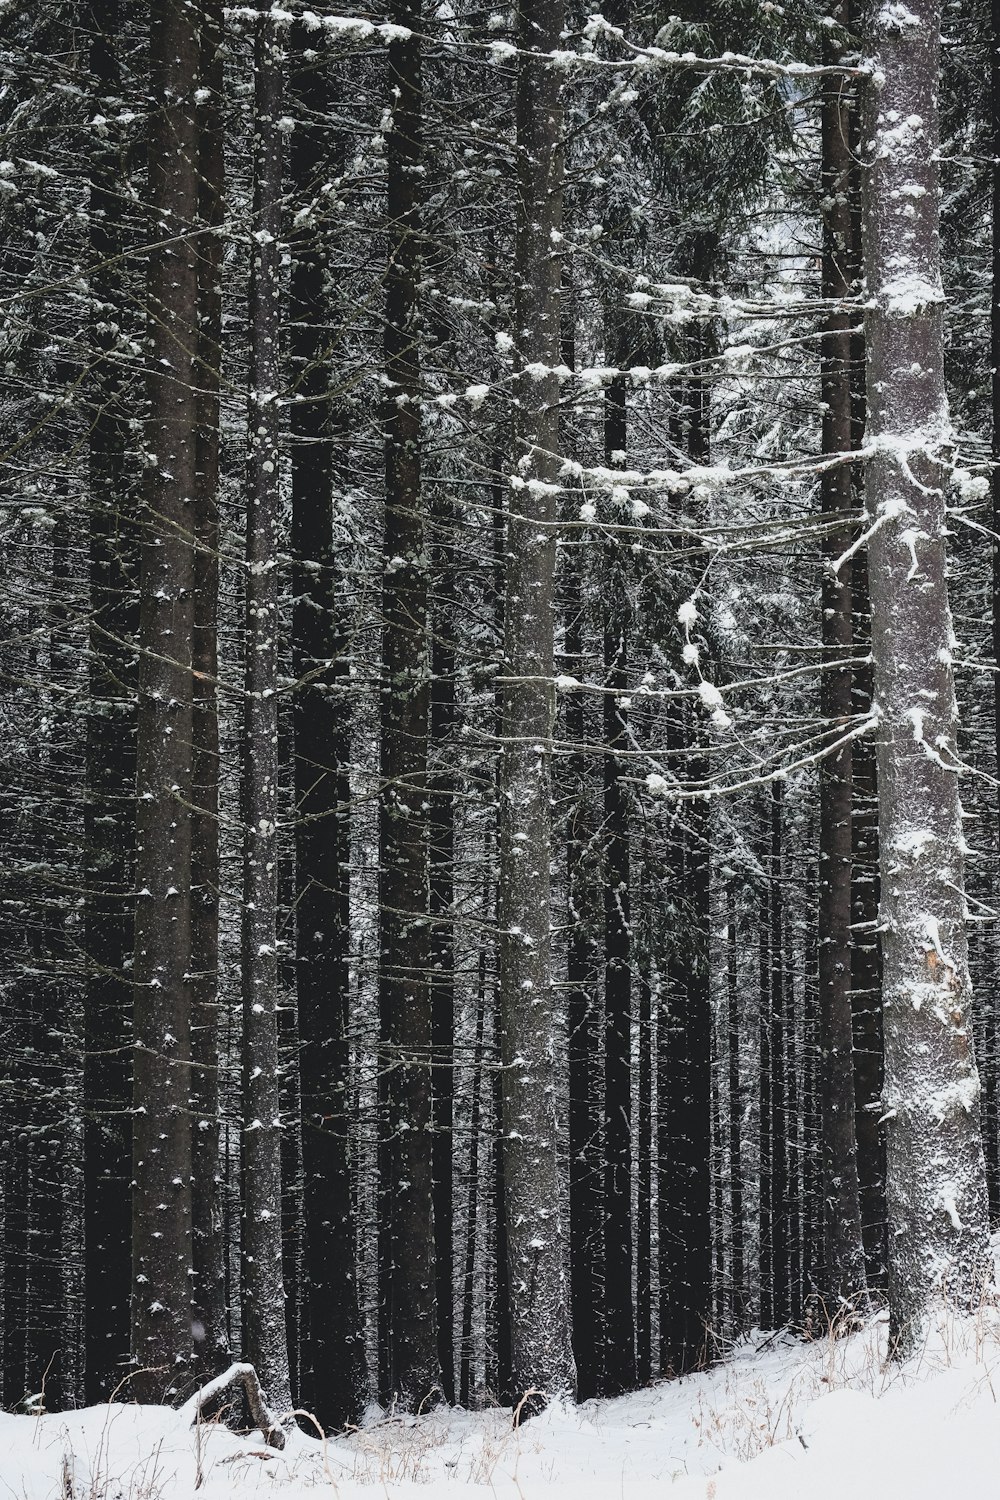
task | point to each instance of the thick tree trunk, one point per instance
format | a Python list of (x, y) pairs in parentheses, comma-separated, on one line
[(333, 1365), (265, 1339), (410, 1374), (161, 1195), (936, 1181), (540, 1325), (109, 800), (211, 1330), (844, 1278)]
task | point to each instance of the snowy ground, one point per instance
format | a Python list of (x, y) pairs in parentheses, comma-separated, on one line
[(826, 1421)]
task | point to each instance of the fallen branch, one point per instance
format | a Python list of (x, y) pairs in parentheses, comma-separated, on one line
[(245, 1376)]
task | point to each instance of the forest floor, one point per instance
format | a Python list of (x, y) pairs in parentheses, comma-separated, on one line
[(827, 1419)]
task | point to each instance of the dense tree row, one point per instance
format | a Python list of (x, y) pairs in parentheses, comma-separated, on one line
[(482, 903)]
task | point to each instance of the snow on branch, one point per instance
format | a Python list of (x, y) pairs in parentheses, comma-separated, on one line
[(661, 59)]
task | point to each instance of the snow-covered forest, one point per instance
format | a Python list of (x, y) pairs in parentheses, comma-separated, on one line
[(499, 622)]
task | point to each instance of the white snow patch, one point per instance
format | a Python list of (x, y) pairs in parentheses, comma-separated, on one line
[(777, 1421)]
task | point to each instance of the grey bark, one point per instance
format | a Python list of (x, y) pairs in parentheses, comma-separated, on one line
[(936, 1178)]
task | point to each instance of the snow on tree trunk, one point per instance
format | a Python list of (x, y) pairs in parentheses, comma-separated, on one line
[(161, 1170), (936, 1181), (542, 1359), (264, 1328)]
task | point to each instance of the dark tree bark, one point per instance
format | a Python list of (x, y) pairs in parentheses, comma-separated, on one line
[(765, 1247), (686, 1125), (990, 1065), (585, 1240), (618, 1314), (410, 1374), (109, 799), (644, 1186), (686, 1129), (738, 1302), (210, 1314), (265, 1340), (542, 1359), (844, 1279), (442, 895), (866, 964), (467, 1345), (778, 1052), (161, 1196), (333, 1364), (938, 1220)]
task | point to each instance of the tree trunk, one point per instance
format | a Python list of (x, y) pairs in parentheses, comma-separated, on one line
[(333, 1362), (844, 1278), (442, 896), (778, 1051), (990, 1066), (109, 800), (540, 1326), (467, 1344), (161, 1196), (211, 1323), (936, 1181), (619, 1338), (585, 1248), (765, 1247), (410, 1374), (265, 1340), (737, 1269)]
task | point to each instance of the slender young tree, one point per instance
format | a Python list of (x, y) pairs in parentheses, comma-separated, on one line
[(410, 1373), (265, 1339), (936, 1182), (161, 1162), (542, 1360)]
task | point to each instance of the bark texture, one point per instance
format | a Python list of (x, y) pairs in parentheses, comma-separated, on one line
[(844, 1278), (263, 1295), (210, 1326), (936, 1180), (109, 799), (542, 1360), (410, 1374), (332, 1349), (161, 1194)]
